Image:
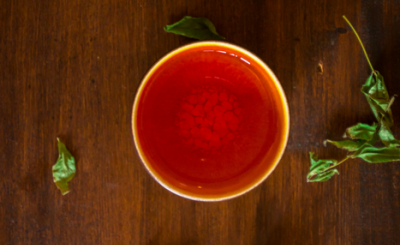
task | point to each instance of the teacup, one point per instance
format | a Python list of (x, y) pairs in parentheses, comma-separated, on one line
[(210, 121)]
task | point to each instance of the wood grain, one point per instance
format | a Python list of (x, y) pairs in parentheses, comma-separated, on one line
[(70, 68)]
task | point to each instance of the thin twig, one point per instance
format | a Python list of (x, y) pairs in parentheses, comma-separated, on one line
[(359, 40)]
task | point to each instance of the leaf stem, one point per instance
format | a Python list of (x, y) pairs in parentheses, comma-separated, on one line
[(333, 166), (359, 40)]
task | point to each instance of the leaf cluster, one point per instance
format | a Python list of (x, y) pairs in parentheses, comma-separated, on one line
[(363, 137)]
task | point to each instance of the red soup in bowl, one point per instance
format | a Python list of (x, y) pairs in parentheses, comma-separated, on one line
[(210, 121)]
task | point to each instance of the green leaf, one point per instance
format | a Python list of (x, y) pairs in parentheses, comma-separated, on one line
[(372, 154), (348, 145), (378, 97), (318, 169), (197, 28), (386, 136), (375, 86), (386, 121), (324, 176), (383, 116), (64, 169), (361, 131)]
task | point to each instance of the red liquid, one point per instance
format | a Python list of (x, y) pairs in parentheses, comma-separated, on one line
[(210, 118)]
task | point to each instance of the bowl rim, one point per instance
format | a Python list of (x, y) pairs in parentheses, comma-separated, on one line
[(146, 163)]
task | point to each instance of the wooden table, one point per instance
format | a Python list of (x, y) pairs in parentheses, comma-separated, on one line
[(71, 68)]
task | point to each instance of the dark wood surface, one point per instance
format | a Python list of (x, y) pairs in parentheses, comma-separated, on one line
[(71, 68)]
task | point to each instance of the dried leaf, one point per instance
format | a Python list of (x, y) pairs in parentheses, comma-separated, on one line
[(348, 145), (64, 169), (318, 169), (372, 154), (386, 136), (197, 28), (361, 131)]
